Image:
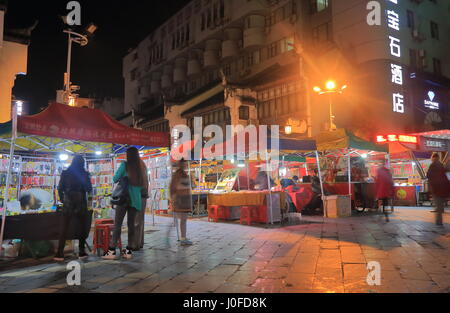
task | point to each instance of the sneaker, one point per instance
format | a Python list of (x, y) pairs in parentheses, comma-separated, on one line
[(127, 254), (109, 255), (186, 242)]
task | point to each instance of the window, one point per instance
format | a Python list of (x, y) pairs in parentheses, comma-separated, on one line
[(410, 16), (318, 5), (434, 30), (244, 113), (437, 67)]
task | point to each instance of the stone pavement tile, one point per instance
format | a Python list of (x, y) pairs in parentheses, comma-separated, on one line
[(138, 275), (234, 288), (172, 287), (355, 272), (272, 272), (191, 276), (328, 286), (253, 266), (295, 290), (422, 286), (116, 285), (442, 280), (303, 267), (281, 261), (99, 279), (207, 284), (223, 270), (243, 278), (299, 281), (329, 273), (43, 290), (398, 286), (142, 286), (353, 258), (413, 272), (329, 263), (263, 285), (434, 268), (375, 254), (235, 260)]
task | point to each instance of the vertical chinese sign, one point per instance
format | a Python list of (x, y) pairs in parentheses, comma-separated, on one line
[(396, 69)]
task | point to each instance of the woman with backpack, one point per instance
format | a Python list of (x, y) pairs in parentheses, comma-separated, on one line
[(74, 185), (136, 172)]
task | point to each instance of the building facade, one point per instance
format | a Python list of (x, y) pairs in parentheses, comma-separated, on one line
[(13, 62), (256, 62)]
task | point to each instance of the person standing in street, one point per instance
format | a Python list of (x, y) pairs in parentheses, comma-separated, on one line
[(181, 197), (440, 186), (135, 169), (73, 188), (384, 185)]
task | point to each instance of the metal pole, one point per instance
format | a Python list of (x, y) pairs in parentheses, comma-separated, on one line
[(331, 113), (319, 171), (269, 186), (69, 62), (9, 174), (349, 174), (199, 182)]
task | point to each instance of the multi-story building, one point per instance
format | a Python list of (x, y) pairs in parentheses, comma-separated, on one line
[(256, 61), (13, 61)]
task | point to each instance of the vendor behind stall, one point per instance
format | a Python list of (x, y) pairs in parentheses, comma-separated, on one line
[(262, 180)]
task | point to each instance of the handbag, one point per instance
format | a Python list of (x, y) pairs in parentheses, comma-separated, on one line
[(120, 195)]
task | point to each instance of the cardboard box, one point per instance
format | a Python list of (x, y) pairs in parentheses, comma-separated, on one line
[(337, 206)]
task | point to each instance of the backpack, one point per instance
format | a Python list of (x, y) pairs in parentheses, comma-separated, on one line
[(120, 195)]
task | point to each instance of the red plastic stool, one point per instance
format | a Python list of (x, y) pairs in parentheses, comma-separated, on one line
[(102, 237), (104, 221), (216, 212), (249, 214)]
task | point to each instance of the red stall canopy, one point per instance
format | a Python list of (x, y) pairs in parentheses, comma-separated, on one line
[(84, 124)]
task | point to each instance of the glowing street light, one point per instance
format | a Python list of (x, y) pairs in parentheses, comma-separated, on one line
[(288, 129), (330, 88)]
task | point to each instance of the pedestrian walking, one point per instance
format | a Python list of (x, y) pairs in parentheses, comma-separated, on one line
[(181, 197), (384, 185), (74, 185), (135, 169), (439, 185)]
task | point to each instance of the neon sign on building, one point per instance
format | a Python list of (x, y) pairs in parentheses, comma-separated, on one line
[(397, 138), (396, 70)]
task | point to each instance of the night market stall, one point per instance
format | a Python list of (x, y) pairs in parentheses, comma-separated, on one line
[(347, 161), (242, 187), (35, 150)]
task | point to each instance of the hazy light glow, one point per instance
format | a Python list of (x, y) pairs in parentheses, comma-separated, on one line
[(330, 85), (63, 156)]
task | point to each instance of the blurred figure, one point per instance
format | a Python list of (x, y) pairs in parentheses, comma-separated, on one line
[(73, 188), (136, 171), (384, 185), (440, 186), (181, 196), (262, 181), (296, 179)]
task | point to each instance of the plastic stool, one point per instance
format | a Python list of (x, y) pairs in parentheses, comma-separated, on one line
[(104, 221), (216, 212), (102, 237), (249, 214)]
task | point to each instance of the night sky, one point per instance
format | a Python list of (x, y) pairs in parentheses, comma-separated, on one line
[(97, 67)]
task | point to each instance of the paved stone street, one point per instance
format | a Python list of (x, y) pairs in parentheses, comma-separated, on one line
[(320, 255)]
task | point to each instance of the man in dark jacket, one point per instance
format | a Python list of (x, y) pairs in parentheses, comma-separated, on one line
[(440, 186)]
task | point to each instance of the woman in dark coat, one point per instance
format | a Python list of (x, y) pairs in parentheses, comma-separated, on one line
[(73, 188), (440, 186)]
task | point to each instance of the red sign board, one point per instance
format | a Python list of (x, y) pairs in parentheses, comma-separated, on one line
[(397, 138)]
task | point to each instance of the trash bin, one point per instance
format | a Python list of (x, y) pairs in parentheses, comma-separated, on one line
[(337, 206)]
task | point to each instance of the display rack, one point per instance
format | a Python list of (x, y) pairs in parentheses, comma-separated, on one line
[(14, 185), (101, 171), (159, 171)]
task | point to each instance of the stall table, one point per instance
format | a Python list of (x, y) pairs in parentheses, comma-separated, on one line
[(249, 198)]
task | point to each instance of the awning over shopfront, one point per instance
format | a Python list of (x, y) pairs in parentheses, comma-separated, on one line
[(345, 139), (75, 129)]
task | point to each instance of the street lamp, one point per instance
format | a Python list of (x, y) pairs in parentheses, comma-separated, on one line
[(330, 89), (82, 40)]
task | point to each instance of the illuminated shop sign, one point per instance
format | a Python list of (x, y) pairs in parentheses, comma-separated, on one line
[(397, 138), (430, 103), (433, 144), (396, 70)]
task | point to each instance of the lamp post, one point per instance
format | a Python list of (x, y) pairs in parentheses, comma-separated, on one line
[(82, 40), (330, 89)]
